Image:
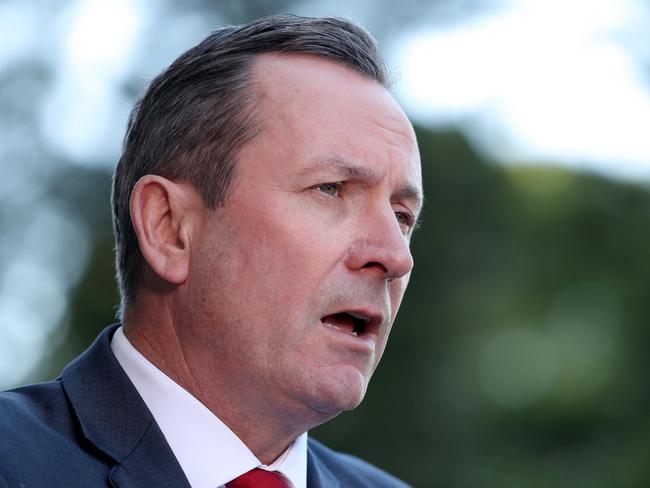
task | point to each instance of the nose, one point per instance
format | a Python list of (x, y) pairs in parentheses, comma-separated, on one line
[(380, 246)]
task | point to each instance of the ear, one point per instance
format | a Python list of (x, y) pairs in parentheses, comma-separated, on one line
[(164, 214)]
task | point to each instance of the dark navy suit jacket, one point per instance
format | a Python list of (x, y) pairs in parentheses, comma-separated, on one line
[(91, 428)]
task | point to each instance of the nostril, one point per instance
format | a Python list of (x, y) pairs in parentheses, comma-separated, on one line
[(375, 264)]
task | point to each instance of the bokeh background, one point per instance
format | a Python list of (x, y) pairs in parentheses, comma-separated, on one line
[(519, 358)]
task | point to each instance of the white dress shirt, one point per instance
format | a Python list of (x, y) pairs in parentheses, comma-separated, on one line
[(209, 453)]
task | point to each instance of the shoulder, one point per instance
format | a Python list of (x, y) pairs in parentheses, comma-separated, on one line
[(30, 408), (351, 470), (36, 424), (26, 415), (31, 418)]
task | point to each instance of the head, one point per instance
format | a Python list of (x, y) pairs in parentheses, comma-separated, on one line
[(290, 185), (198, 113)]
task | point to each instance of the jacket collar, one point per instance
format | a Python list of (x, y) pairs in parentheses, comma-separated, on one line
[(318, 474), (114, 418)]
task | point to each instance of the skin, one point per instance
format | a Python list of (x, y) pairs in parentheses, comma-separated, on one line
[(318, 221)]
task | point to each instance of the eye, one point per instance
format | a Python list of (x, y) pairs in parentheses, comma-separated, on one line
[(333, 189), (405, 219)]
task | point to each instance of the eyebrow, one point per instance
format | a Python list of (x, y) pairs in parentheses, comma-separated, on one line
[(351, 170), (342, 165), (410, 192)]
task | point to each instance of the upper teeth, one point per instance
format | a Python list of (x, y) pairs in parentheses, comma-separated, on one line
[(359, 316)]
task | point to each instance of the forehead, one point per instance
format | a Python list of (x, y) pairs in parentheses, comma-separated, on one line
[(328, 110)]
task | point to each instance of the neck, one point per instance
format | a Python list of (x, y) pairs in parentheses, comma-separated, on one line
[(266, 429)]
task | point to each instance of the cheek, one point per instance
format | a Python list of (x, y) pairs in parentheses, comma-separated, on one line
[(287, 238), (271, 263), (396, 291)]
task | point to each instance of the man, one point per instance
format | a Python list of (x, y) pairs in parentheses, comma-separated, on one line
[(263, 208)]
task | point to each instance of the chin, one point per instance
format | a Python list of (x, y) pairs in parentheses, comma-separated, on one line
[(338, 393)]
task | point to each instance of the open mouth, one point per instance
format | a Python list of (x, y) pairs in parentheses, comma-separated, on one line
[(351, 322)]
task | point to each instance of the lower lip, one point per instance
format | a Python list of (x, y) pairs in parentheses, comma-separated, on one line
[(363, 343)]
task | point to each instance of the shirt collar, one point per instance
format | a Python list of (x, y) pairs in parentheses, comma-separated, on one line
[(207, 450)]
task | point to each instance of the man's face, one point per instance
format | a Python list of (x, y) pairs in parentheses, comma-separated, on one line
[(297, 278)]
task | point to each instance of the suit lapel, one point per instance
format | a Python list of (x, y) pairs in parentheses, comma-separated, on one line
[(318, 474), (151, 463), (115, 419)]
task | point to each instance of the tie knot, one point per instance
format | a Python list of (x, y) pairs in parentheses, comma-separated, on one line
[(261, 478)]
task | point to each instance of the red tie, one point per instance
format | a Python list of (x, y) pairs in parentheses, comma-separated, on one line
[(261, 478)]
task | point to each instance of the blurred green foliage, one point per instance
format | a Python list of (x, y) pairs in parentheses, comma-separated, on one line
[(518, 356)]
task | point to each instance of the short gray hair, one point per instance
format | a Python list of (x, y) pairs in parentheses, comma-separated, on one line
[(196, 115)]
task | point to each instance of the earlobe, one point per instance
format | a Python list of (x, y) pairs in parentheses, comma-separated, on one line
[(161, 219)]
